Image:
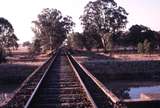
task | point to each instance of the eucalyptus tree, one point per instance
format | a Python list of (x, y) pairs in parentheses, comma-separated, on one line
[(140, 33), (75, 40), (51, 28), (105, 16), (7, 37), (26, 44)]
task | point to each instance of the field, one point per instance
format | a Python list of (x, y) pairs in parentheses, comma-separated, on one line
[(136, 57), (126, 74), (123, 65), (15, 71), (137, 66)]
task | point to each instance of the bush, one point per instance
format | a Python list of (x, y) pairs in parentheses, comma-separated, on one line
[(144, 47), (2, 55), (140, 48), (147, 46)]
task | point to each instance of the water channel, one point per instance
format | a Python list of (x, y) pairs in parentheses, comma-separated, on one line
[(133, 89)]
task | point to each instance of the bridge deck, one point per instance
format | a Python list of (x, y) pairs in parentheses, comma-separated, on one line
[(61, 88)]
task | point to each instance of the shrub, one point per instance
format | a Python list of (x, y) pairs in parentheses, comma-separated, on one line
[(144, 47), (2, 55), (147, 46), (140, 48)]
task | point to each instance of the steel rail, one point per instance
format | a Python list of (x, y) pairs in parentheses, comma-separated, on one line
[(116, 101), (74, 65), (26, 83), (29, 102), (82, 83), (39, 83)]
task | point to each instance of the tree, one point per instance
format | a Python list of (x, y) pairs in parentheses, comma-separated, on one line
[(12, 42), (26, 43), (147, 46), (140, 48), (103, 16), (139, 33), (7, 38), (108, 41), (51, 28), (2, 55), (144, 47), (75, 40), (89, 41), (36, 46), (157, 34)]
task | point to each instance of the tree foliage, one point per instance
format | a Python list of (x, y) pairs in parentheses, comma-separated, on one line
[(139, 33), (27, 43), (140, 48), (36, 46), (103, 16), (89, 41), (147, 46), (51, 28), (144, 47), (7, 37), (75, 40)]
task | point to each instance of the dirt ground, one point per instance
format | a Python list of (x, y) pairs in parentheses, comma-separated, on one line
[(22, 56)]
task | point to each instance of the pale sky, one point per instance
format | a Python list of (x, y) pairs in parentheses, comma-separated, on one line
[(21, 13)]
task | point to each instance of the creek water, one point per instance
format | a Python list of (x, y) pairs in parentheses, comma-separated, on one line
[(135, 92), (132, 89)]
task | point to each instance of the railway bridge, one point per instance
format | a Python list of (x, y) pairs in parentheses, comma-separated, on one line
[(61, 82)]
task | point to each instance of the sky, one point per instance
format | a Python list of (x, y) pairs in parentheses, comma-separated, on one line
[(145, 12), (20, 13)]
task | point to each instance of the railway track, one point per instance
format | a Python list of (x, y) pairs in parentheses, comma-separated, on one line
[(61, 82), (101, 96), (22, 94), (60, 88), (66, 84)]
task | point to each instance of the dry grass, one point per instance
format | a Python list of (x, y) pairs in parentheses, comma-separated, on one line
[(16, 70), (122, 55), (137, 57), (124, 66)]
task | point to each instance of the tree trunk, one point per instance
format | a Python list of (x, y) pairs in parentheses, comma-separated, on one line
[(103, 43)]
